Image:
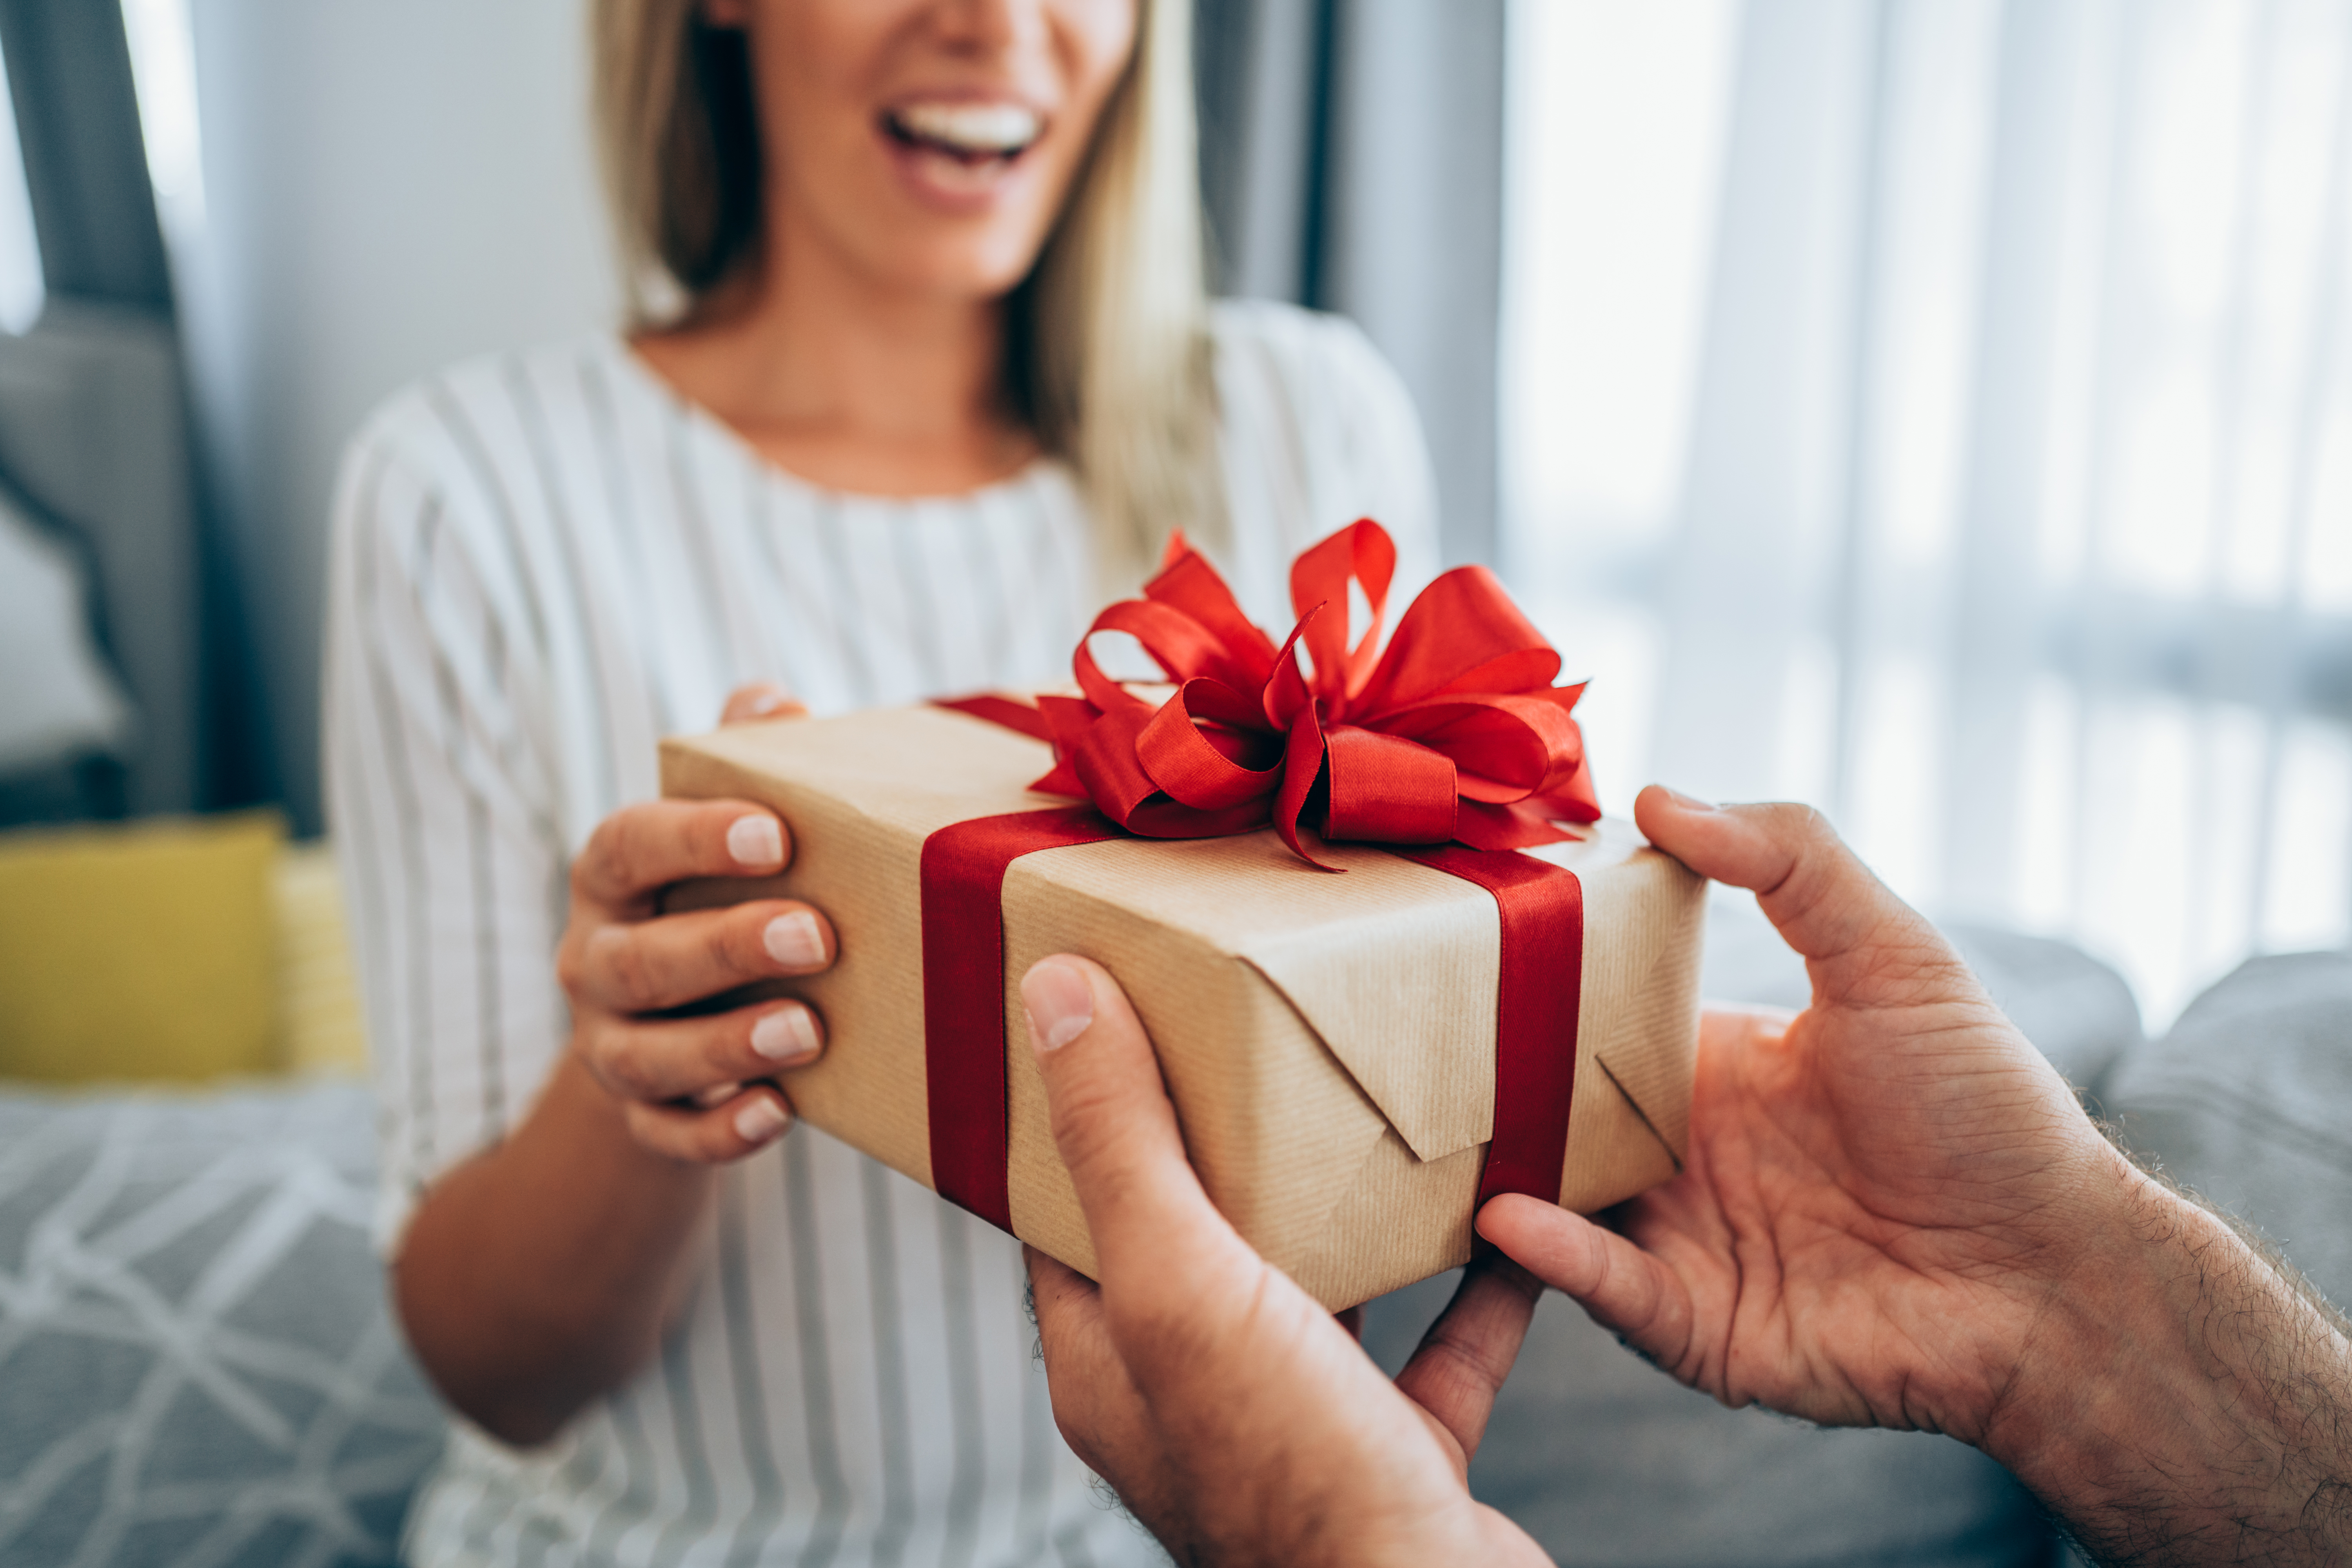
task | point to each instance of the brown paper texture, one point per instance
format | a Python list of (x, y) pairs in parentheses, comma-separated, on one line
[(1329, 1040)]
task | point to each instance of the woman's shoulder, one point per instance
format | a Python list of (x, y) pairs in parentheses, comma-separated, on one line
[(1287, 374), (1312, 348), (1320, 429), (463, 425)]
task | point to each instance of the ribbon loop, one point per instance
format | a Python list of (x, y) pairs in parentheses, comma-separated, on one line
[(1387, 790), (1364, 552), (1202, 767), (1452, 732)]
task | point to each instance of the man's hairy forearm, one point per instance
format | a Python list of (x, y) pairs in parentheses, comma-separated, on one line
[(2186, 1400)]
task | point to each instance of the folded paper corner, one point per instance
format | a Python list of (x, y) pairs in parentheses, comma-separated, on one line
[(1436, 1112)]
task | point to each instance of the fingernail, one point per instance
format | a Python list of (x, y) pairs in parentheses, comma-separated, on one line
[(1689, 803), (794, 940), (1059, 1003), (761, 1120), (717, 1094), (755, 840), (787, 1036), (769, 701)]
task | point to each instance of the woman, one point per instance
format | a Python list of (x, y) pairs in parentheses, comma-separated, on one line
[(924, 370)]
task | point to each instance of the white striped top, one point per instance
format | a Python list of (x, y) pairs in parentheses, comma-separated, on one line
[(544, 562)]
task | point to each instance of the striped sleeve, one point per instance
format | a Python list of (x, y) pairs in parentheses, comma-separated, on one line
[(1319, 431), (440, 808), (1379, 456)]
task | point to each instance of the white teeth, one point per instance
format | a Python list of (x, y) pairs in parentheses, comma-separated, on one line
[(983, 128)]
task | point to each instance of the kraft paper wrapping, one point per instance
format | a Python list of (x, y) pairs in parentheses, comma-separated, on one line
[(1329, 1040)]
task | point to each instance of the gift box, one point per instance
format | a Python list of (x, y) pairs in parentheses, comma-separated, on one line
[(1365, 1034)]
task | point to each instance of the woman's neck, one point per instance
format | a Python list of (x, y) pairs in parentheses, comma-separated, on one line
[(850, 381)]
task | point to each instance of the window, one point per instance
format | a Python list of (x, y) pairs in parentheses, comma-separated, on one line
[(22, 292), (1942, 411)]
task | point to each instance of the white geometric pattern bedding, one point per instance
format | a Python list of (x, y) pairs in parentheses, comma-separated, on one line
[(197, 1364)]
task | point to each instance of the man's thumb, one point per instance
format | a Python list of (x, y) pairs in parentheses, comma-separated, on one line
[(1112, 1119), (1825, 902)]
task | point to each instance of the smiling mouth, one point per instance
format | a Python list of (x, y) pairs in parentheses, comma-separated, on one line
[(977, 137)]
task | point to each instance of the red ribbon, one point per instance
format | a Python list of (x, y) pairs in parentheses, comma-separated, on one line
[(1538, 993), (964, 987), (1454, 730), (1001, 710)]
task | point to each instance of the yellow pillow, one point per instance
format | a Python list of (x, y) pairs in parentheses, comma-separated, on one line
[(317, 997), (141, 951)]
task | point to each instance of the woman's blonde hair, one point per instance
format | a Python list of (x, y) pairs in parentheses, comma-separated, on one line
[(1108, 354)]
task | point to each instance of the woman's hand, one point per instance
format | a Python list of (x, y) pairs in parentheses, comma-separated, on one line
[(543, 1271), (692, 1085), (1235, 1417)]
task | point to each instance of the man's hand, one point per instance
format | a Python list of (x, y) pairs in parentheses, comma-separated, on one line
[(1894, 1213), (1882, 1195), (1236, 1418)]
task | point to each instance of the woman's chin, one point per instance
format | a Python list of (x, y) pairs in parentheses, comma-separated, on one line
[(986, 270), (977, 241), (943, 260)]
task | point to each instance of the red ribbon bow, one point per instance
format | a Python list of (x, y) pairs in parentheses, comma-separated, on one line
[(1454, 731)]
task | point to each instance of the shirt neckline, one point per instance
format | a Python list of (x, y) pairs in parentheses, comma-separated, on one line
[(685, 409)]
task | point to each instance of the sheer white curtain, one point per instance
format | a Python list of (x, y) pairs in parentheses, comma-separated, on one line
[(1941, 410)]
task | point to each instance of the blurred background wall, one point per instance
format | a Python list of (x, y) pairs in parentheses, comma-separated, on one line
[(349, 197), (1939, 410), (356, 195), (385, 188)]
